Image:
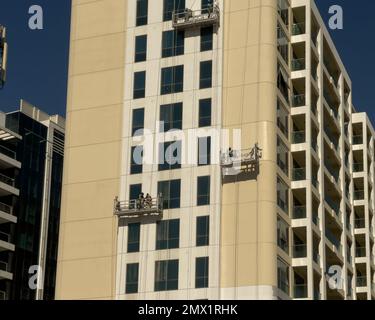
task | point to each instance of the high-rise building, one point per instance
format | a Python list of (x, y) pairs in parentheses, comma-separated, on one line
[(31, 176), (3, 55), (285, 214)]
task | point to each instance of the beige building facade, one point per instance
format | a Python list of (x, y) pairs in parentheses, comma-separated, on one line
[(271, 219)]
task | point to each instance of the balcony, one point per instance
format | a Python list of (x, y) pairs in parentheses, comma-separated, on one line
[(360, 223), (360, 252), (298, 137), (357, 139), (298, 100), (138, 207), (299, 251), (7, 180), (298, 29), (2, 295), (9, 153), (359, 195), (362, 281), (298, 64), (300, 291), (299, 212), (299, 174), (358, 167), (334, 206), (332, 238), (4, 272), (188, 18)]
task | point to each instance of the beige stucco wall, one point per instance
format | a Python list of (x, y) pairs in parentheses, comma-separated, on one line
[(87, 246), (248, 225)]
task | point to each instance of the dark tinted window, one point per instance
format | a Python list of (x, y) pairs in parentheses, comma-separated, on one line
[(206, 38), (203, 231), (132, 278), (173, 43), (139, 85), (172, 80), (167, 234), (170, 117), (205, 78), (140, 48), (134, 231), (201, 272), (170, 155), (138, 121), (136, 160), (203, 192), (166, 275), (142, 11), (205, 113), (170, 6), (171, 192)]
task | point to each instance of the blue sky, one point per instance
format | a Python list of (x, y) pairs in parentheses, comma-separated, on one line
[(38, 60)]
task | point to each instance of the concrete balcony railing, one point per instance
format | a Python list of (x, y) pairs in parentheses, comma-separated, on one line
[(6, 208)]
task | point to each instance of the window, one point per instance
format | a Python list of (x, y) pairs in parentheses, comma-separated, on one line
[(207, 3), (282, 119), (282, 195), (283, 276), (168, 234), (282, 43), (203, 231), (205, 77), (207, 38), (138, 121), (201, 272), (142, 11), (166, 275), (134, 191), (140, 48), (132, 278), (134, 231), (283, 235), (170, 117), (283, 81), (136, 163), (173, 43), (170, 155), (170, 6), (139, 85), (172, 80), (282, 156), (205, 113), (203, 191), (204, 151), (170, 191)]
